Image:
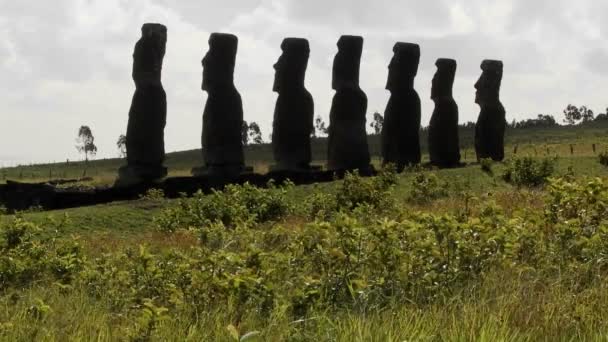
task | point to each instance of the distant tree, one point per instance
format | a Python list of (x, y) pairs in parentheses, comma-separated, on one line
[(245, 133), (572, 115), (602, 117), (86, 142), (121, 144), (255, 133), (586, 114), (540, 121), (377, 123), (320, 127), (468, 124)]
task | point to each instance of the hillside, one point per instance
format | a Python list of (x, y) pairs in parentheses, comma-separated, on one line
[(529, 141)]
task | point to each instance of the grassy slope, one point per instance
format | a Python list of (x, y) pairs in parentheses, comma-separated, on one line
[(133, 221)]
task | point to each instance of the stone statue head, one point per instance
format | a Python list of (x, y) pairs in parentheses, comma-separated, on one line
[(443, 81), (488, 85), (404, 66), (347, 62), (156, 33), (219, 62), (290, 69)]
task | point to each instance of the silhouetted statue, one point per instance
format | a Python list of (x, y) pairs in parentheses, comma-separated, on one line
[(444, 148), (223, 117), (347, 142), (147, 116), (400, 132), (491, 125), (294, 111)]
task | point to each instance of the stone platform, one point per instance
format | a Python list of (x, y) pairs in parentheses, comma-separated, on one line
[(17, 196)]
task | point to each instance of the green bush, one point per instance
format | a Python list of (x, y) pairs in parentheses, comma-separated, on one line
[(153, 195), (426, 187), (235, 205), (25, 257), (355, 193), (486, 165), (528, 171)]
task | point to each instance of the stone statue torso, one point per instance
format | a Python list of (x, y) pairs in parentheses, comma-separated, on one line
[(444, 146), (400, 133), (347, 145), (292, 127), (222, 127)]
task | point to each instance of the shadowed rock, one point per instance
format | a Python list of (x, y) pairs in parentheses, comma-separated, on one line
[(147, 116), (400, 132), (294, 111), (347, 141), (444, 148), (223, 116), (491, 124)]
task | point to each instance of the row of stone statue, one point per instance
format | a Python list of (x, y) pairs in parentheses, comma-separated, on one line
[(293, 117)]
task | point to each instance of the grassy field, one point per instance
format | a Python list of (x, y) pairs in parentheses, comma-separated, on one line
[(427, 255)]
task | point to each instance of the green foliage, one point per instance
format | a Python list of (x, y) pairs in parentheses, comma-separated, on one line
[(236, 205), (486, 165), (426, 187), (150, 316), (153, 195), (528, 171), (357, 262), (583, 203), (256, 263), (355, 193), (25, 258), (38, 310)]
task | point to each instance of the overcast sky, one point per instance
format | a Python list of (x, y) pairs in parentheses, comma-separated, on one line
[(66, 63)]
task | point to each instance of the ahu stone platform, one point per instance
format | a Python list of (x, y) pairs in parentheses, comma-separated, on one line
[(15, 196)]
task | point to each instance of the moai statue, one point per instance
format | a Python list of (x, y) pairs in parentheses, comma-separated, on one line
[(444, 147), (223, 116), (491, 124), (294, 111), (347, 142), (148, 113), (401, 129)]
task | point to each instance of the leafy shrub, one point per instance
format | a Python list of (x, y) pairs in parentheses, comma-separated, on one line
[(25, 258), (236, 205), (153, 195), (320, 205), (355, 192), (528, 171), (426, 187), (486, 165), (604, 158), (582, 203)]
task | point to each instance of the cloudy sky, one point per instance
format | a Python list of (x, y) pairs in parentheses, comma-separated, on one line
[(66, 63)]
